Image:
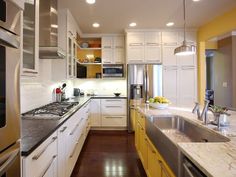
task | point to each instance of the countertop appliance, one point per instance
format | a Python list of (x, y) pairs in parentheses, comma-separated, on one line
[(10, 25), (113, 70), (76, 92), (143, 81), (56, 110)]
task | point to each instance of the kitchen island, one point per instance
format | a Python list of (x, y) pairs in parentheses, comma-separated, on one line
[(214, 159)]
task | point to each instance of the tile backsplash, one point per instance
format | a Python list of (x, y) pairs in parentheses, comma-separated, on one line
[(39, 91), (102, 87)]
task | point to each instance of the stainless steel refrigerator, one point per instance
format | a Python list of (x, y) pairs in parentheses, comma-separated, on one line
[(10, 54), (143, 81)]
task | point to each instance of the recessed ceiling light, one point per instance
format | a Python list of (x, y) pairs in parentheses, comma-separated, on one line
[(90, 1), (96, 25), (196, 0), (170, 24), (132, 24)]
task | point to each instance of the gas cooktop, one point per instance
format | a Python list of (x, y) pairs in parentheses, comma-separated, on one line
[(54, 110)]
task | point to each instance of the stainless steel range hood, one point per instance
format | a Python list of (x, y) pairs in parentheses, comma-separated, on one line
[(48, 31)]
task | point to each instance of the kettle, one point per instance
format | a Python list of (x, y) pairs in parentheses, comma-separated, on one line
[(76, 92)]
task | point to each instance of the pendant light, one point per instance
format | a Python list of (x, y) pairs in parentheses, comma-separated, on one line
[(185, 49)]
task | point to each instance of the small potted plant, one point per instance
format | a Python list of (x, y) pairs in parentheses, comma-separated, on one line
[(220, 115)]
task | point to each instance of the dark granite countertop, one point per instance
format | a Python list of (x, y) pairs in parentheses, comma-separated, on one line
[(34, 132)]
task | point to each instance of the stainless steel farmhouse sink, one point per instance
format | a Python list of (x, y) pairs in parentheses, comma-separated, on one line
[(166, 131)]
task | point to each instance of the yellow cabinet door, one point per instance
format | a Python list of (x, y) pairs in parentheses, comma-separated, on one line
[(153, 166), (143, 147)]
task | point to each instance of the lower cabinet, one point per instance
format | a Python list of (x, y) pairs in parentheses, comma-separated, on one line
[(153, 163), (56, 156), (42, 162), (108, 113)]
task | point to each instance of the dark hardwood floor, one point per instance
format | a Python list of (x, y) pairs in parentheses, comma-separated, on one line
[(109, 154)]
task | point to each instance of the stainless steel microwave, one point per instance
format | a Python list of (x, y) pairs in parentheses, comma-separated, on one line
[(113, 71)]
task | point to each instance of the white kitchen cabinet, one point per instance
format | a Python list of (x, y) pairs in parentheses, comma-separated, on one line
[(43, 160), (95, 112), (30, 52), (107, 56), (113, 50), (113, 113), (144, 47), (170, 82), (63, 135), (135, 47), (153, 47), (189, 60), (187, 86), (169, 58), (170, 38)]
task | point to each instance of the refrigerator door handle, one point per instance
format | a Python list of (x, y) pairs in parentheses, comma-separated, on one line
[(8, 160)]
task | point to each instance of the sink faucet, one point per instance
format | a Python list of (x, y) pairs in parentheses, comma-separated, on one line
[(203, 116)]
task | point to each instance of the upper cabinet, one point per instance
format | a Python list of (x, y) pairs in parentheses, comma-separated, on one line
[(30, 57), (66, 68), (113, 50), (170, 38), (144, 47), (153, 47)]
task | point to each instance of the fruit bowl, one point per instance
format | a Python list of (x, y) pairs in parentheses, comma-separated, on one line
[(159, 102), (159, 105)]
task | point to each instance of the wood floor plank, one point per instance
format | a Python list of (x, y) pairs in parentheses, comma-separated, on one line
[(109, 154)]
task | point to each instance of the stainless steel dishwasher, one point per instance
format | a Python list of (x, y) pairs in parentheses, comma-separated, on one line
[(190, 170)]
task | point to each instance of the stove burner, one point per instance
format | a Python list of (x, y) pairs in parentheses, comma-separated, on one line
[(54, 110)]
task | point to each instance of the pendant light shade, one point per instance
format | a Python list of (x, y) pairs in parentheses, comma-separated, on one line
[(185, 49)]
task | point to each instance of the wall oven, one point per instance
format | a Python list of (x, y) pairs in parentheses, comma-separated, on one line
[(113, 71), (10, 27)]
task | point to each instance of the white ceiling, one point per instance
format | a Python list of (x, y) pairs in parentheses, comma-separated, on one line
[(115, 15)]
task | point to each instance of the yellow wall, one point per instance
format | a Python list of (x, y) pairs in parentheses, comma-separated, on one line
[(218, 26)]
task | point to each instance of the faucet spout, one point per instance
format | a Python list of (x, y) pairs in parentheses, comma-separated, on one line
[(196, 109), (204, 116)]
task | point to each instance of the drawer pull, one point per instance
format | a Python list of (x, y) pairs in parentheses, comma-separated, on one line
[(111, 117), (73, 131), (136, 44), (152, 44), (36, 157), (113, 100), (113, 106), (64, 128), (76, 144), (50, 164)]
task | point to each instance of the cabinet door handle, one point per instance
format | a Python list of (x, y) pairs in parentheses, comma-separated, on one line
[(73, 131), (113, 100), (107, 62), (107, 47), (111, 117), (152, 44), (113, 106), (50, 164), (163, 168), (119, 47), (136, 44), (170, 43), (64, 128), (76, 144), (36, 157), (187, 67)]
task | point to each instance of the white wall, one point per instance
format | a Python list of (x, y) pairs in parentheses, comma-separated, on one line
[(102, 87), (38, 91)]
